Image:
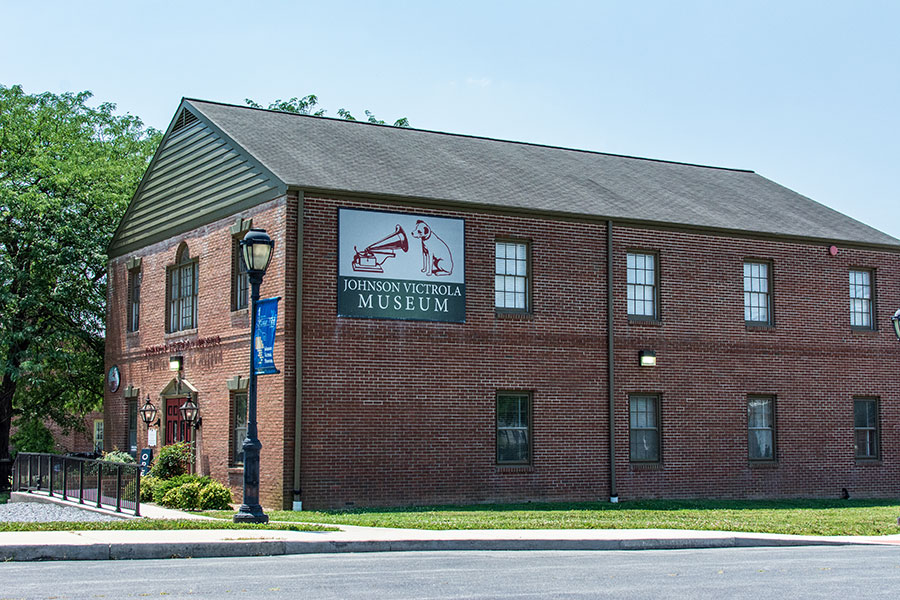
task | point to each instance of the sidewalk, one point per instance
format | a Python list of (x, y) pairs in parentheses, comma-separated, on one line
[(104, 545)]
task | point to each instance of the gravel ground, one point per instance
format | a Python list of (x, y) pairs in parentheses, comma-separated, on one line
[(36, 512)]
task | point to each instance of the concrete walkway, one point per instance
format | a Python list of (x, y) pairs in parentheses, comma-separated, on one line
[(104, 545)]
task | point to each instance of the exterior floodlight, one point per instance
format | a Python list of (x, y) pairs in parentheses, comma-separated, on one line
[(148, 412), (256, 248), (176, 363), (648, 358)]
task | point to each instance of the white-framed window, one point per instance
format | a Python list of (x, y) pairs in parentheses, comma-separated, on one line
[(182, 292), (761, 427), (644, 427), (862, 298), (641, 279), (512, 272), (757, 292), (98, 435)]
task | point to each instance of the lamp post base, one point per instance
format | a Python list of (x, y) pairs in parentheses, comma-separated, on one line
[(250, 514)]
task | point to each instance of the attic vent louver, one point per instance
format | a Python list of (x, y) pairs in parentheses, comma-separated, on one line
[(184, 119)]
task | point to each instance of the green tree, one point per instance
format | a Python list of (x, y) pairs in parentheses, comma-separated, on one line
[(67, 172), (307, 106)]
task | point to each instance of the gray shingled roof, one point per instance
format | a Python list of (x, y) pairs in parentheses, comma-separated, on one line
[(330, 154)]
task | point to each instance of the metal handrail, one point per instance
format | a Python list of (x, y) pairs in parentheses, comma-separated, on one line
[(100, 482)]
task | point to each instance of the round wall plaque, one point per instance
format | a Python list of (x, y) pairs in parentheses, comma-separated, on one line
[(113, 378)]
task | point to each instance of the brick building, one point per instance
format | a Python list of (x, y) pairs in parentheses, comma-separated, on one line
[(461, 317)]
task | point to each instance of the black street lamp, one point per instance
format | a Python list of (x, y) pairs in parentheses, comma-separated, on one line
[(895, 321), (256, 249)]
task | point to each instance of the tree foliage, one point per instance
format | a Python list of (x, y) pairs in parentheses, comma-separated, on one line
[(67, 172), (307, 106)]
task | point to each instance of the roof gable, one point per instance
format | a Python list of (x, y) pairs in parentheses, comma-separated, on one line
[(196, 176)]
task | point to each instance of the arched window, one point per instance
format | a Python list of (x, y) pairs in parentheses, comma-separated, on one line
[(181, 283)]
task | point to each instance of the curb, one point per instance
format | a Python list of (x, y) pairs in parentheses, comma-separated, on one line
[(248, 548)]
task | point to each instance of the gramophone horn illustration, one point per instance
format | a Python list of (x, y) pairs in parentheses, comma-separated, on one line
[(370, 258)]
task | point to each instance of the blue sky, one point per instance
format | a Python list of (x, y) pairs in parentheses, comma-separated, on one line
[(804, 93)]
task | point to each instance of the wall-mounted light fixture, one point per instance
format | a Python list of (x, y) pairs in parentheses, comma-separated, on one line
[(647, 358), (176, 363), (895, 321), (148, 413), (190, 412)]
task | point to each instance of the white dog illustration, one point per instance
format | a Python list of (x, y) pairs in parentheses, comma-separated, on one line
[(436, 256)]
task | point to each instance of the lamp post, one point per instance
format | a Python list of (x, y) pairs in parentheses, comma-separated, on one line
[(256, 249)]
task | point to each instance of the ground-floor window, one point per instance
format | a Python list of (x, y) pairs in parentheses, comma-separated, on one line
[(865, 424), (132, 426), (761, 427), (239, 427), (98, 435), (513, 428), (644, 427)]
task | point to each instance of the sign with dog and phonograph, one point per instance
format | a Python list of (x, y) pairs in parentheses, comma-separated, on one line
[(401, 266)]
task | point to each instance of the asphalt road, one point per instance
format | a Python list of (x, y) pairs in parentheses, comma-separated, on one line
[(751, 573)]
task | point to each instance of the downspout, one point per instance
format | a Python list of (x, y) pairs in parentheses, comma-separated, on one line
[(298, 350), (611, 362)]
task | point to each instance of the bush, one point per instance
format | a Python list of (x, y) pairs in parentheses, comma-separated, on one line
[(161, 487), (147, 484), (173, 460), (119, 457), (215, 496), (184, 497)]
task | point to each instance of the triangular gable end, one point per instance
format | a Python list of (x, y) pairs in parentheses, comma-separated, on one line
[(198, 174)]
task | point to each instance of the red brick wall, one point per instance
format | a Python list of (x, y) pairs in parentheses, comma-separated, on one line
[(207, 368), (401, 412)]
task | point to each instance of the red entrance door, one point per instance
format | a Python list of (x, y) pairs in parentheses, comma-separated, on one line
[(177, 430)]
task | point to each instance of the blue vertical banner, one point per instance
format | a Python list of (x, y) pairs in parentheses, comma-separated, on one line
[(264, 337)]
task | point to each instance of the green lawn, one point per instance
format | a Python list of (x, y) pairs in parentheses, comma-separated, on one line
[(803, 517), (144, 524)]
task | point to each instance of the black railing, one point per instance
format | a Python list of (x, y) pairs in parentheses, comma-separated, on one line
[(94, 482)]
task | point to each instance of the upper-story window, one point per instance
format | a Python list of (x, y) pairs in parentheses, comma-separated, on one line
[(182, 292), (512, 285), (134, 297), (862, 299), (240, 283), (758, 293), (641, 277)]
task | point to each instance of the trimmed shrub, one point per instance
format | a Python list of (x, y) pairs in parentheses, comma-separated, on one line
[(147, 484), (173, 460), (215, 496), (119, 457), (184, 497), (161, 487)]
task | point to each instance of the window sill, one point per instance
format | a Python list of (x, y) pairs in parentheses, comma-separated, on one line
[(764, 464), (513, 315), (133, 334), (236, 470), (632, 320), (868, 462), (863, 331), (647, 466), (182, 333), (515, 468), (753, 326)]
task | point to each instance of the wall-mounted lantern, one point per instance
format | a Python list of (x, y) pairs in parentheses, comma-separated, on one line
[(149, 412), (895, 321), (190, 412)]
